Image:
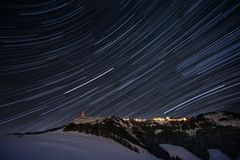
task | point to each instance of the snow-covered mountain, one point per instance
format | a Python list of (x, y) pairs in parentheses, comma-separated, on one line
[(207, 136), (198, 135)]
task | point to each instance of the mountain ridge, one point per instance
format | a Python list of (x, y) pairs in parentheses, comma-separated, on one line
[(196, 134)]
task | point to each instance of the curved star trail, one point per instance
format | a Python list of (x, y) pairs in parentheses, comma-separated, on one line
[(125, 58)]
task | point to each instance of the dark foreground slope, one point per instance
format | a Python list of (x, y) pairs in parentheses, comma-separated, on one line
[(197, 134)]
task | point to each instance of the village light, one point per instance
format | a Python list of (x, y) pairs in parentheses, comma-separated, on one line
[(158, 119)]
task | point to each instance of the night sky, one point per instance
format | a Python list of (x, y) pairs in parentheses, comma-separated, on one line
[(128, 58)]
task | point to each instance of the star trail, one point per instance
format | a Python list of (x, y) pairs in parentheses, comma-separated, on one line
[(125, 58)]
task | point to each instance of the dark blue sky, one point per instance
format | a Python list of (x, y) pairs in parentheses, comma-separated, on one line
[(121, 57)]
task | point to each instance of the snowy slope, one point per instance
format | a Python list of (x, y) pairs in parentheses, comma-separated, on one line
[(66, 146)]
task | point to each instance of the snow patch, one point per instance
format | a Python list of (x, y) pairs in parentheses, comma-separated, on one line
[(215, 154), (158, 131), (88, 120), (178, 151), (192, 132)]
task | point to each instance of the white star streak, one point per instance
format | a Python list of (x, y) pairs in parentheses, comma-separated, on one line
[(89, 81)]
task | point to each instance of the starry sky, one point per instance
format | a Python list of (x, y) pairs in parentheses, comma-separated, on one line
[(126, 58)]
